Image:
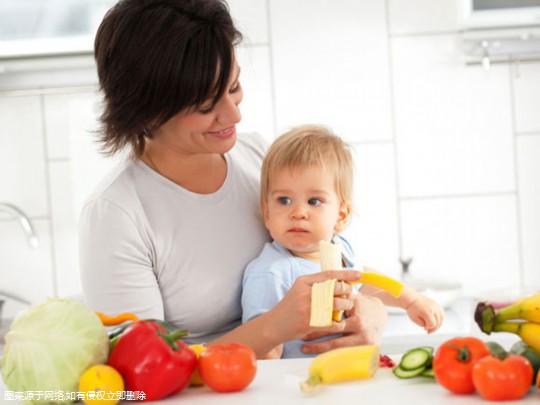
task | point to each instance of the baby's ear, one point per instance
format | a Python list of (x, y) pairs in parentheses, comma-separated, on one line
[(264, 212), (343, 217)]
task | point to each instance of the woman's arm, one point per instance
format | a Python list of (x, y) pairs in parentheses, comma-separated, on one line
[(116, 263), (289, 319)]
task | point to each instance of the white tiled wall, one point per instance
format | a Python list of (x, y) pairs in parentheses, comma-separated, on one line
[(447, 154)]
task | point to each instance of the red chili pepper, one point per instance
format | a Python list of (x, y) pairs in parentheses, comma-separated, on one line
[(385, 361), (153, 361)]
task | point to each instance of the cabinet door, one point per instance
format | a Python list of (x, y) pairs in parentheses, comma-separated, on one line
[(24, 272), (22, 155), (76, 166)]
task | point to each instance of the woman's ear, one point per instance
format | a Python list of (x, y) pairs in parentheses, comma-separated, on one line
[(343, 217)]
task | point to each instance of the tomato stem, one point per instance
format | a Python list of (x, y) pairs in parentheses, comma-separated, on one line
[(463, 353)]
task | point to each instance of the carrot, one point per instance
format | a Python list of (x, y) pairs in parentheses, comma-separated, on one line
[(108, 320)]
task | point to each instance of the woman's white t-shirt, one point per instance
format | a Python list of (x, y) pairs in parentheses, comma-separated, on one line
[(151, 247)]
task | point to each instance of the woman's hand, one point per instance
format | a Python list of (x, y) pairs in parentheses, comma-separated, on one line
[(364, 324), (289, 319)]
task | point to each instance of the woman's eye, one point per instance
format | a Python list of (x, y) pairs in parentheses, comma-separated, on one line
[(235, 88), (205, 111), (284, 200), (314, 201)]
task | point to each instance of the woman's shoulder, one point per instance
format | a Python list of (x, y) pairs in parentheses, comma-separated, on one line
[(118, 187), (250, 145)]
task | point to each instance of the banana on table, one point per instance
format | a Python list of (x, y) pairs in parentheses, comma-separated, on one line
[(343, 364), (521, 317)]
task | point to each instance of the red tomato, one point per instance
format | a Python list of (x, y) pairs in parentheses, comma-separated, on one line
[(228, 367), (502, 380), (454, 360)]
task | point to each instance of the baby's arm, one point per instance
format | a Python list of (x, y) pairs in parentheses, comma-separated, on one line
[(422, 310)]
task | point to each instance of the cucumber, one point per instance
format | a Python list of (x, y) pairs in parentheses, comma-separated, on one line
[(415, 359), (428, 349), (428, 372), (402, 373)]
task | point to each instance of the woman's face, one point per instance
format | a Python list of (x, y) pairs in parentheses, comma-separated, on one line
[(207, 129)]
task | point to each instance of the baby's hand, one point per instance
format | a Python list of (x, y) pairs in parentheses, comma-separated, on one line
[(426, 312)]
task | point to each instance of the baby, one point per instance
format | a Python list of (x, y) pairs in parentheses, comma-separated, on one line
[(306, 197)]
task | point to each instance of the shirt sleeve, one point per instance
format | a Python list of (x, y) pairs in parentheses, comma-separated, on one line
[(260, 293), (116, 264)]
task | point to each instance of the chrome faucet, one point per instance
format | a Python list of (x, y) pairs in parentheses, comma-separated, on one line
[(33, 241), (25, 222)]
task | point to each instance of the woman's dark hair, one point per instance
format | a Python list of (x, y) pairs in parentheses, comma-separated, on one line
[(157, 57)]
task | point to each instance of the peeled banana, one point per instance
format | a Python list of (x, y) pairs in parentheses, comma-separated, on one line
[(322, 294), (343, 364), (525, 309), (331, 259)]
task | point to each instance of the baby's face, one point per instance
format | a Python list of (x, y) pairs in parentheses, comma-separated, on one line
[(303, 208)]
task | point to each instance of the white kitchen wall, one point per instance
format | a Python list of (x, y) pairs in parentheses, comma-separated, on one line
[(447, 154)]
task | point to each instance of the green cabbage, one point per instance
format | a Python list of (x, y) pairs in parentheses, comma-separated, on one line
[(50, 345)]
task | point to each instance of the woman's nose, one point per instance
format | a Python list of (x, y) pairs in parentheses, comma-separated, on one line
[(229, 113)]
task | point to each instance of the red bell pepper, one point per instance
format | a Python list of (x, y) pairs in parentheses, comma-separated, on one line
[(153, 361)]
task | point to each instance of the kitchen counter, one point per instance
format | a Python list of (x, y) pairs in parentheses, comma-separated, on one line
[(278, 383)]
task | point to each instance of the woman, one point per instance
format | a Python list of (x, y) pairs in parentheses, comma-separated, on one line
[(170, 234)]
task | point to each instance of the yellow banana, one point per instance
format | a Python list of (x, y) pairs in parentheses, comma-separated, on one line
[(322, 294), (527, 308), (385, 283), (344, 364), (529, 332)]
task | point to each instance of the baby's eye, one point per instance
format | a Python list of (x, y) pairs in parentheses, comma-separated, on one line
[(314, 201), (284, 200)]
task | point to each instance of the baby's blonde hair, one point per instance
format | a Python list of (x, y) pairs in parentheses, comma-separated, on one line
[(307, 146)]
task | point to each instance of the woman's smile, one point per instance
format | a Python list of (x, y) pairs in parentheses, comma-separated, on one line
[(224, 133)]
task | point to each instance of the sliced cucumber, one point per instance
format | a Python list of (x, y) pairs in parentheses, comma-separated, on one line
[(415, 359), (428, 349), (402, 373), (428, 372)]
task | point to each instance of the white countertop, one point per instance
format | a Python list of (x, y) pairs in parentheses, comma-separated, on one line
[(277, 381)]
